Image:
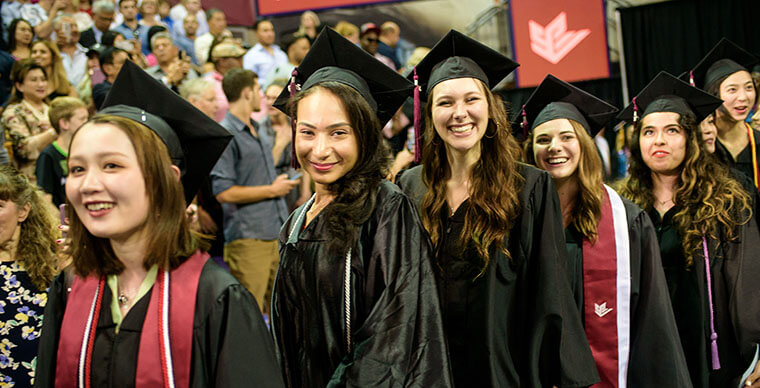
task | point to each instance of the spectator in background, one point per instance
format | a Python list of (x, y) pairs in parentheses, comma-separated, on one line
[(390, 33), (189, 7), (66, 115), (111, 60), (251, 194), (163, 14), (149, 18), (102, 16), (348, 30), (225, 56), (45, 53), (83, 19), (25, 119), (20, 39), (6, 63), (10, 11), (217, 24), (369, 40), (130, 28), (73, 55), (201, 93), (310, 26), (265, 55), (186, 42), (40, 15), (171, 69), (296, 46)]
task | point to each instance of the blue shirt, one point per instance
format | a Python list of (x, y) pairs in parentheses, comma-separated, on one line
[(247, 161), (141, 33), (261, 61)]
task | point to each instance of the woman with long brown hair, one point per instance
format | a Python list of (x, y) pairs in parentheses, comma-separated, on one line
[(46, 54), (145, 306), (354, 303), (614, 268), (20, 37), (706, 229), (496, 230), (27, 265)]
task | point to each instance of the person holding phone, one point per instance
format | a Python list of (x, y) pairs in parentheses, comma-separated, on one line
[(149, 306), (173, 66)]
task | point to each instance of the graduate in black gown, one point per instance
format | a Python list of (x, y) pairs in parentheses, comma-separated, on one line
[(615, 269), (496, 227), (704, 223), (143, 305), (354, 301), (724, 73)]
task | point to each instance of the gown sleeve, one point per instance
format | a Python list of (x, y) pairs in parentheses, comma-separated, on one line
[(656, 356), (232, 346), (743, 272), (401, 343), (44, 375), (557, 350)]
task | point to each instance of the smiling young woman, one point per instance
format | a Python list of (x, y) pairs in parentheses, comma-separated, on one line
[(496, 230), (614, 267), (706, 228)]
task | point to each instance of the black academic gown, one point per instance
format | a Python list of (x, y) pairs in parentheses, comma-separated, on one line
[(231, 344), (656, 358), (734, 268), (743, 161), (516, 324), (396, 329)]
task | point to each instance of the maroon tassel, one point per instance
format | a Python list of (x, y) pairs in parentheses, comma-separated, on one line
[(635, 112), (293, 89), (417, 114), (524, 123), (691, 78)]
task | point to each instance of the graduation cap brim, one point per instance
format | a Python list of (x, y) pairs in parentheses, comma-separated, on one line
[(334, 58), (459, 56), (664, 93), (725, 58), (198, 140), (557, 99)]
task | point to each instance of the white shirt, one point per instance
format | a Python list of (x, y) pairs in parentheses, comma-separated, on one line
[(202, 45), (76, 65)]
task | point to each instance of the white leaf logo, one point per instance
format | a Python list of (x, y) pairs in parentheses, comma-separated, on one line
[(554, 41), (601, 310)]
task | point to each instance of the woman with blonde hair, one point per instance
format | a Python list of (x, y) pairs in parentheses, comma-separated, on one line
[(46, 54), (27, 265), (496, 229), (706, 229), (348, 30), (614, 268), (310, 26)]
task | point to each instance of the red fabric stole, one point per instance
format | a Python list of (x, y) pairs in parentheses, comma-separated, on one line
[(183, 290), (600, 297)]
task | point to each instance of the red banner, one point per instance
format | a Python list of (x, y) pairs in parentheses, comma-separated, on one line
[(271, 7), (566, 38)]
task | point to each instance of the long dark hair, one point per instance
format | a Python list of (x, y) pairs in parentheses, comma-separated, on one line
[(12, 34), (355, 191), (710, 201), (495, 182)]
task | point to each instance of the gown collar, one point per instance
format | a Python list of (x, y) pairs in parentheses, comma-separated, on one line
[(299, 217)]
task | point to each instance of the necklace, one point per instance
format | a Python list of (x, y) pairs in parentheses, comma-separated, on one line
[(123, 299), (663, 203)]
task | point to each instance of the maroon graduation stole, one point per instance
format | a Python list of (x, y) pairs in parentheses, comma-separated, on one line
[(167, 333), (606, 293)]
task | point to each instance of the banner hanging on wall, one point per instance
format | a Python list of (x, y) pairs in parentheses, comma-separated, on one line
[(273, 7), (565, 38)]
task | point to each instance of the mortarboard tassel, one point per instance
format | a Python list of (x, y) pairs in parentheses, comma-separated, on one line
[(524, 123), (635, 112), (417, 113), (713, 334), (691, 78), (293, 89)]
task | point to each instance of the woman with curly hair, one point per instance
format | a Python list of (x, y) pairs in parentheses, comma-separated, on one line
[(27, 265), (724, 73), (704, 221), (354, 301), (614, 266), (496, 229), (46, 54)]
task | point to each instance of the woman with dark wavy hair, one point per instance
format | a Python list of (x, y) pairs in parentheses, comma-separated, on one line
[(704, 221), (496, 229), (354, 301), (20, 37), (614, 266), (27, 265)]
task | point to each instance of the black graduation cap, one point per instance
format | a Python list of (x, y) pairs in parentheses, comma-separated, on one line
[(557, 99), (725, 58), (334, 58), (194, 140), (458, 56), (666, 93)]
